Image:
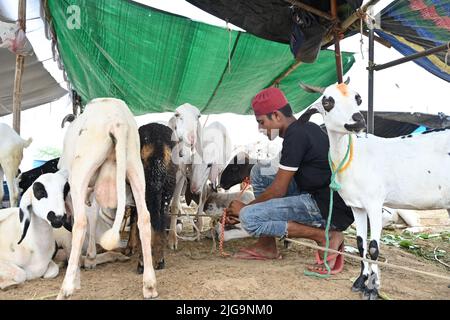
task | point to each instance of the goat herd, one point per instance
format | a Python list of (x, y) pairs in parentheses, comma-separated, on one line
[(109, 167), (112, 167)]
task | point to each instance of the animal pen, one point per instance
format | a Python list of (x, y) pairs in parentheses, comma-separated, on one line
[(156, 61)]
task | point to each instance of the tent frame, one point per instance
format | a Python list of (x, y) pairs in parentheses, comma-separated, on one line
[(20, 61), (374, 67), (338, 28)]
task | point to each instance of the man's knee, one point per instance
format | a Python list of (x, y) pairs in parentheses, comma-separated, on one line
[(248, 221)]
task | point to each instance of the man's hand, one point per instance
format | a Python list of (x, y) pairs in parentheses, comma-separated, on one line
[(235, 208), (233, 211), (230, 220)]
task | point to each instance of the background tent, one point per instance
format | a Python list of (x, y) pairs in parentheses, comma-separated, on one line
[(39, 87), (268, 19), (156, 61), (412, 26)]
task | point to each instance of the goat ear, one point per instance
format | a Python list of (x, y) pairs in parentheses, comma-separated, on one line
[(25, 212), (307, 114), (347, 81), (311, 89), (199, 144)]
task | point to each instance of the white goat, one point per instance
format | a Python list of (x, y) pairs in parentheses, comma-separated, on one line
[(11, 154), (103, 138), (99, 222), (209, 164), (26, 239), (415, 175), (187, 132), (218, 201)]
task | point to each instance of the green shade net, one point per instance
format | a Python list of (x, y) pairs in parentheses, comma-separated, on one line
[(156, 61)]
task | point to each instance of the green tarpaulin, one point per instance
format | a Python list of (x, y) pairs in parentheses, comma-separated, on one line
[(156, 61)]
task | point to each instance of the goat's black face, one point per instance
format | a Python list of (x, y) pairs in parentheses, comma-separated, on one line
[(359, 125)]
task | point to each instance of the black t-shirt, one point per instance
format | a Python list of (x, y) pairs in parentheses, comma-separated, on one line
[(305, 150)]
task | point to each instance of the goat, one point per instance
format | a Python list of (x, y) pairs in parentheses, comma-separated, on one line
[(187, 133), (160, 172), (11, 154), (99, 222), (414, 176), (237, 170), (218, 201), (26, 179), (209, 165), (104, 138), (27, 244)]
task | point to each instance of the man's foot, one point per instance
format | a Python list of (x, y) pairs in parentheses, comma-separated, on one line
[(334, 261), (255, 253)]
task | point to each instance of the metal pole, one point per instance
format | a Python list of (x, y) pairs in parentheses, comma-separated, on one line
[(412, 57), (17, 95), (370, 115), (337, 47)]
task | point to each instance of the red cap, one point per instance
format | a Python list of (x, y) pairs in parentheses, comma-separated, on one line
[(268, 100)]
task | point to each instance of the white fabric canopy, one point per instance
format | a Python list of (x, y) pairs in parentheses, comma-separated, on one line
[(38, 86)]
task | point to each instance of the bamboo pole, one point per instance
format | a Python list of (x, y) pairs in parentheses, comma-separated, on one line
[(292, 68), (337, 47), (350, 20), (17, 95)]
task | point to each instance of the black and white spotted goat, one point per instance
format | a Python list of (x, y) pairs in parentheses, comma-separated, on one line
[(416, 175), (27, 244)]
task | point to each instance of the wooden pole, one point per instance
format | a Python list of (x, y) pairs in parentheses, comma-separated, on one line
[(294, 66), (337, 47), (17, 97), (350, 20)]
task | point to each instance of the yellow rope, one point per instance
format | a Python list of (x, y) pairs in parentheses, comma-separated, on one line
[(350, 158)]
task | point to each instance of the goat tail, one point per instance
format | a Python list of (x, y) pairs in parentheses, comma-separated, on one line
[(119, 134), (26, 143)]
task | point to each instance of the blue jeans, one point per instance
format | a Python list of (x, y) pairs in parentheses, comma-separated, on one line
[(270, 218)]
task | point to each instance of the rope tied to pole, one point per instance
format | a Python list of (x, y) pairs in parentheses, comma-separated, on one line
[(334, 186)]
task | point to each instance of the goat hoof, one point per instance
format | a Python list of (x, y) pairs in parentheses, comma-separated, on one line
[(140, 268), (89, 265), (370, 294), (150, 293), (128, 251), (160, 265), (359, 285), (173, 245), (64, 295)]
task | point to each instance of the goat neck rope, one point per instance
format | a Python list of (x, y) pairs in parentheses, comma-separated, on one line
[(334, 186), (344, 164)]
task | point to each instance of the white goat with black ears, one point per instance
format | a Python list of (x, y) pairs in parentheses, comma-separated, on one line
[(415, 175), (27, 244)]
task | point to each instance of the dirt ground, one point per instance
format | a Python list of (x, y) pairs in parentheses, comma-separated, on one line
[(193, 272)]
